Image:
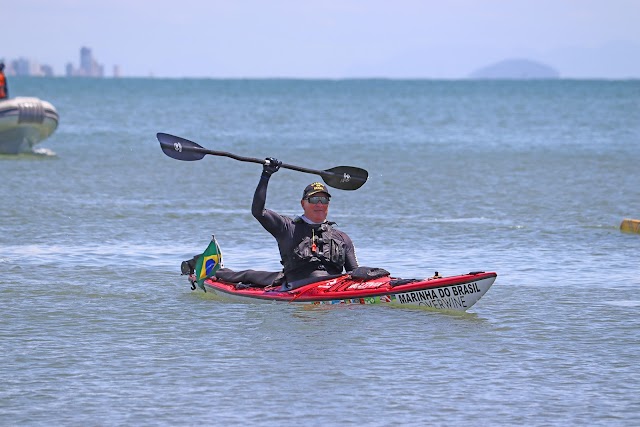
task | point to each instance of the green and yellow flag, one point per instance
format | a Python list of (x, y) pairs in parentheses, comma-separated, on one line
[(209, 262)]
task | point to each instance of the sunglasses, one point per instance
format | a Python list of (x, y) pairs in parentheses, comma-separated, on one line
[(318, 199)]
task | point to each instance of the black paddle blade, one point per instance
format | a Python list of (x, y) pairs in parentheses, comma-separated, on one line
[(180, 148), (345, 177)]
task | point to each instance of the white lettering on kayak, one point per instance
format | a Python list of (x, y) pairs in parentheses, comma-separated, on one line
[(367, 285), (328, 284)]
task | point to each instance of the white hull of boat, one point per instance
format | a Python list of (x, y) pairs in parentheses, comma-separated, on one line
[(25, 122)]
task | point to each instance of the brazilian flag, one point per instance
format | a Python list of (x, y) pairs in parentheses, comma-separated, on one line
[(209, 262)]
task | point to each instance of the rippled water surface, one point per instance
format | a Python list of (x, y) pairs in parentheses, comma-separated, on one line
[(528, 179)]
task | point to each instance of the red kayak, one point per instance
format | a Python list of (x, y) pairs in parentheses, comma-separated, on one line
[(449, 293)]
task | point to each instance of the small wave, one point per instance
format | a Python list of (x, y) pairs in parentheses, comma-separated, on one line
[(45, 152), (94, 255), (37, 153), (624, 303), (466, 220)]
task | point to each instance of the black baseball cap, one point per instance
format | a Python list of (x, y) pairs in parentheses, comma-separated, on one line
[(314, 188)]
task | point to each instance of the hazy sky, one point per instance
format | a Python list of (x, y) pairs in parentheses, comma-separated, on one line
[(326, 38)]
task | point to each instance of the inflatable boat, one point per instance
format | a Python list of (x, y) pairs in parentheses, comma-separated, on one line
[(25, 122)]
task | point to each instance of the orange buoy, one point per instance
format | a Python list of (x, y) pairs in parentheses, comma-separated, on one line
[(630, 226)]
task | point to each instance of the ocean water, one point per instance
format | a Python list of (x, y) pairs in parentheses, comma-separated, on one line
[(530, 179)]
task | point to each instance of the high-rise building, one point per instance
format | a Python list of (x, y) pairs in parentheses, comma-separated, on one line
[(27, 67), (89, 67), (86, 61)]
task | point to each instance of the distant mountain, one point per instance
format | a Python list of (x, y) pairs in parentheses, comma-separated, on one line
[(516, 69)]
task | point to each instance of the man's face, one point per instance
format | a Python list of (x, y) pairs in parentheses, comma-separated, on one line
[(315, 208)]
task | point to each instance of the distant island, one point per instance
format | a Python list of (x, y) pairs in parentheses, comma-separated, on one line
[(516, 69)]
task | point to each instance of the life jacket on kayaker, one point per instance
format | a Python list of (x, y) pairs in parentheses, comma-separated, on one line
[(318, 250), (4, 92)]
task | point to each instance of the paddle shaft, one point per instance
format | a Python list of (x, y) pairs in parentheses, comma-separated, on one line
[(342, 177), (253, 160)]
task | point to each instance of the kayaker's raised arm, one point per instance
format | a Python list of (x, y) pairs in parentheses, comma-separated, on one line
[(260, 196)]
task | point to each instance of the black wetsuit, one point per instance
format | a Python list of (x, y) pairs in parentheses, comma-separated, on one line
[(290, 234)]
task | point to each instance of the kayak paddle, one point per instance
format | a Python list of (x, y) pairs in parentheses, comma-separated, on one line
[(342, 177)]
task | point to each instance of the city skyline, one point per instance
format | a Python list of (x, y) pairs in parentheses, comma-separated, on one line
[(88, 67), (333, 38)]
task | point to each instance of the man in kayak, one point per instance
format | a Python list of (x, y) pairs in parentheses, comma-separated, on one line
[(310, 247), (4, 90)]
